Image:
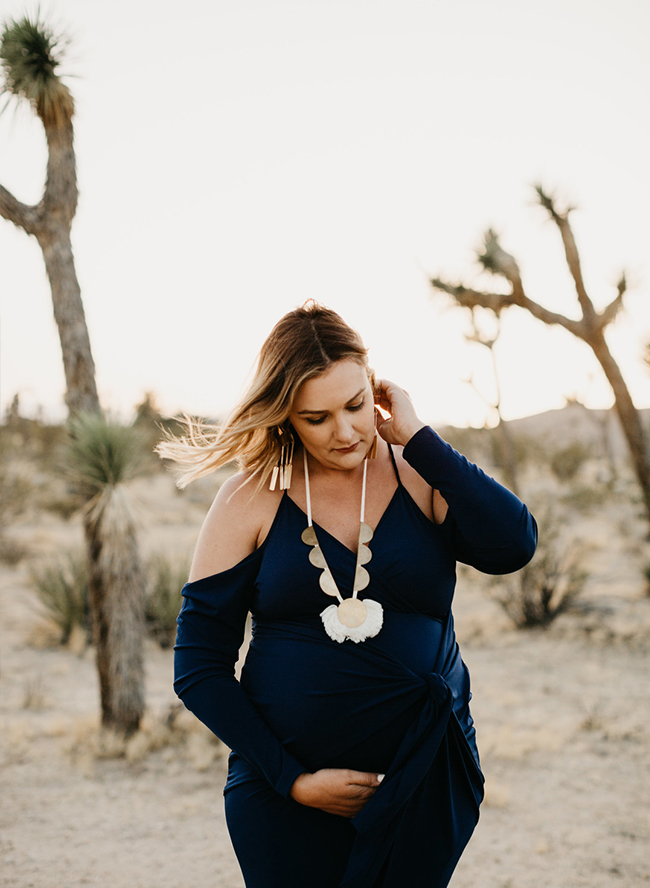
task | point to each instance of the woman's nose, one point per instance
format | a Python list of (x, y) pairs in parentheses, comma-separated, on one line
[(344, 430)]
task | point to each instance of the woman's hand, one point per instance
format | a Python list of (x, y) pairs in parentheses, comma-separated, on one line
[(403, 421), (336, 790)]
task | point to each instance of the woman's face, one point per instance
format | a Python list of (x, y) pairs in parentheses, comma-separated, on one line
[(334, 415)]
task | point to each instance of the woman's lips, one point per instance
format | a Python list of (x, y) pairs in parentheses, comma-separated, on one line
[(346, 449)]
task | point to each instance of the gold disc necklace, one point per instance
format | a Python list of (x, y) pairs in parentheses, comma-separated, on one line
[(352, 618)]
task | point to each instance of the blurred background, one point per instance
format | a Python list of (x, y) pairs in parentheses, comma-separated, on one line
[(234, 160)]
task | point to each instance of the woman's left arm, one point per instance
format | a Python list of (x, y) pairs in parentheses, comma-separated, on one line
[(494, 530)]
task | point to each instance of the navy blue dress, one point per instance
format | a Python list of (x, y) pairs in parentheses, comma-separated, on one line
[(396, 704)]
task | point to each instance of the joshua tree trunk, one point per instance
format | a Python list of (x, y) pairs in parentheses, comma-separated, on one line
[(81, 389), (590, 327), (31, 46), (627, 413), (116, 596), (102, 457)]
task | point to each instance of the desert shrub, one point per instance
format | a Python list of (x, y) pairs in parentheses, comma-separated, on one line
[(529, 450), (11, 551), (165, 581), (472, 443), (34, 692), (65, 505), (566, 463), (45, 443), (646, 575), (33, 439), (62, 588), (15, 492), (31, 477), (525, 449), (585, 498), (545, 588)]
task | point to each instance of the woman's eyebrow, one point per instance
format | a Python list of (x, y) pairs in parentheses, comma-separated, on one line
[(353, 398)]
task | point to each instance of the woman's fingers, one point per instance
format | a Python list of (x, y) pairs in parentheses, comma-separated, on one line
[(403, 421), (337, 791), (358, 789), (385, 392), (366, 779)]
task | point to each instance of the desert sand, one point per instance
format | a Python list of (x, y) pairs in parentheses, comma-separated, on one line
[(562, 714)]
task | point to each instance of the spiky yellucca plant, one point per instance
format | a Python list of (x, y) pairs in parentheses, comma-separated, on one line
[(102, 456), (31, 54), (102, 453)]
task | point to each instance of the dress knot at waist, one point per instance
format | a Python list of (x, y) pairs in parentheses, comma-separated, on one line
[(413, 758), (438, 687), (379, 820)]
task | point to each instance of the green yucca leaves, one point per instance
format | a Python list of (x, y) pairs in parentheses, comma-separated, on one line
[(102, 453), (30, 53), (491, 247), (62, 588), (166, 577)]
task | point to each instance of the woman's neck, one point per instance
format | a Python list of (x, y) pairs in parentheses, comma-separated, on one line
[(334, 476)]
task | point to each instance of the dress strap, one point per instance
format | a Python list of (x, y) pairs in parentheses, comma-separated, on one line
[(392, 456)]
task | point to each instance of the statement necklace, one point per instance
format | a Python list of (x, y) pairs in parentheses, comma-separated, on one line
[(352, 618)]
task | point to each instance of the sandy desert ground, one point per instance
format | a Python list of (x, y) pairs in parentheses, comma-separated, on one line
[(563, 722)]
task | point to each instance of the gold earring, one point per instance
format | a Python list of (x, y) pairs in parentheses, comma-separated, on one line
[(372, 453), (284, 468)]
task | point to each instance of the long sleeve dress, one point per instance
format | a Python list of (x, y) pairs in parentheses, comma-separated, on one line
[(396, 704)]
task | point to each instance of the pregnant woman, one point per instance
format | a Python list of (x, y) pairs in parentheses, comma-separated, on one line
[(354, 761)]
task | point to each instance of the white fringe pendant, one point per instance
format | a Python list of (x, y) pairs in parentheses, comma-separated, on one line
[(352, 619), (370, 622)]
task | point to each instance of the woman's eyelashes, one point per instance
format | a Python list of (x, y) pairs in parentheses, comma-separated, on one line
[(352, 407)]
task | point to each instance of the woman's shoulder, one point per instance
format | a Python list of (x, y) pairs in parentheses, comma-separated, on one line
[(235, 524)]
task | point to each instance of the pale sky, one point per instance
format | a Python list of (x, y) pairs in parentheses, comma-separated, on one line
[(236, 159)]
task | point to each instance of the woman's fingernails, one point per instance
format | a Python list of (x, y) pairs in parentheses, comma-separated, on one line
[(380, 777)]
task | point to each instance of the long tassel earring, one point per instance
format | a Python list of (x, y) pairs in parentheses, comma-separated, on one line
[(281, 474), (287, 461), (372, 453)]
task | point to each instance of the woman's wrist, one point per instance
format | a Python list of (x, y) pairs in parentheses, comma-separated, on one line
[(411, 430), (298, 784)]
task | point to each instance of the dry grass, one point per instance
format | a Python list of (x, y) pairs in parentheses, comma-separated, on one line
[(175, 733), (34, 693)]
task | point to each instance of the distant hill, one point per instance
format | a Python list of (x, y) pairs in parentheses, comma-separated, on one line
[(555, 429)]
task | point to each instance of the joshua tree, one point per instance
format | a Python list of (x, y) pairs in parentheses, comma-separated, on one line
[(590, 327), (30, 54), (102, 456), (504, 436)]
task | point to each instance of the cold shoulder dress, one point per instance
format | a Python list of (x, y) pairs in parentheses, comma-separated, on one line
[(396, 704)]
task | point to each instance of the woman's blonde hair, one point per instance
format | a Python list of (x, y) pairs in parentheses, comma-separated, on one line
[(303, 344)]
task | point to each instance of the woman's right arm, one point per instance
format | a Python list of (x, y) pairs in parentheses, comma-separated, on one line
[(210, 633), (211, 628)]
